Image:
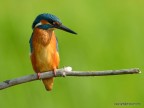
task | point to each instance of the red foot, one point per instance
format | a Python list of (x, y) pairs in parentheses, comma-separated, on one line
[(54, 72), (38, 75)]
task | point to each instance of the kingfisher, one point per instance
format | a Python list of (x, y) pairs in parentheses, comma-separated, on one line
[(44, 46)]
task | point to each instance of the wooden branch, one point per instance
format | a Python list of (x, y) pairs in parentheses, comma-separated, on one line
[(67, 71)]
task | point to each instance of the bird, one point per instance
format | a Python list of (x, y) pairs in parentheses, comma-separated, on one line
[(44, 46)]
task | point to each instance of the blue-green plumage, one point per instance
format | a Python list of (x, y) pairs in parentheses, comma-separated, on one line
[(30, 42), (45, 26), (54, 22), (49, 17)]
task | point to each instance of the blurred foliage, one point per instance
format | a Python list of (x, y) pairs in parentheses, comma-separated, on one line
[(110, 36)]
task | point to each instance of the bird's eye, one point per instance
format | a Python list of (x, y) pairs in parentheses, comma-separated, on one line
[(56, 23)]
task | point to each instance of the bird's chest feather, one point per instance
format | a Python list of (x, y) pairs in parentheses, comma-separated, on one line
[(44, 54)]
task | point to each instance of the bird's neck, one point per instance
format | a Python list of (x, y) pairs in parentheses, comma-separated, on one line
[(43, 36)]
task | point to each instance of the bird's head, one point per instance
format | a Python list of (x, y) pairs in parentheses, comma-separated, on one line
[(49, 21)]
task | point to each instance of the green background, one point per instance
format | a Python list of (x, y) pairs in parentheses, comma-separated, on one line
[(110, 36)]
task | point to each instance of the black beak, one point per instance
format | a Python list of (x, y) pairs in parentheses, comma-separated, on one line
[(62, 27)]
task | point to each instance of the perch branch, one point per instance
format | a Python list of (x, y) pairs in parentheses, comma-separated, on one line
[(67, 71)]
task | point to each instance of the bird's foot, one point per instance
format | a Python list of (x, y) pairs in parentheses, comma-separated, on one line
[(38, 75), (54, 71)]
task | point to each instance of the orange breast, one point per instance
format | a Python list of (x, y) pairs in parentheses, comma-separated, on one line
[(44, 55)]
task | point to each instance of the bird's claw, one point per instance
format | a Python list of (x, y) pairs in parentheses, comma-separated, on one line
[(38, 75), (54, 72)]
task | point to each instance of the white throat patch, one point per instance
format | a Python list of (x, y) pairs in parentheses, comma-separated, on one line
[(38, 24)]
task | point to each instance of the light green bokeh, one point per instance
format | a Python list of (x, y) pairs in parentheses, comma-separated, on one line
[(110, 36)]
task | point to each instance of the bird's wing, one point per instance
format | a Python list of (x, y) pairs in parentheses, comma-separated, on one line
[(57, 44), (30, 42)]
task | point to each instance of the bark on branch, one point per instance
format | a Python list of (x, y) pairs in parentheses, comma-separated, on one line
[(67, 71)]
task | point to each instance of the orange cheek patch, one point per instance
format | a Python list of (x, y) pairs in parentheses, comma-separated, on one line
[(44, 22)]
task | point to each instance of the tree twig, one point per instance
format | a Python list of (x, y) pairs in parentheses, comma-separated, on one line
[(67, 71)]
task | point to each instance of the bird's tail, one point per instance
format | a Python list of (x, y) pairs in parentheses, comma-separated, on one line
[(48, 82)]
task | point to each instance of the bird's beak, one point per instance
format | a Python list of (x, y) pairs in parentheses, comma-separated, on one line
[(62, 27)]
